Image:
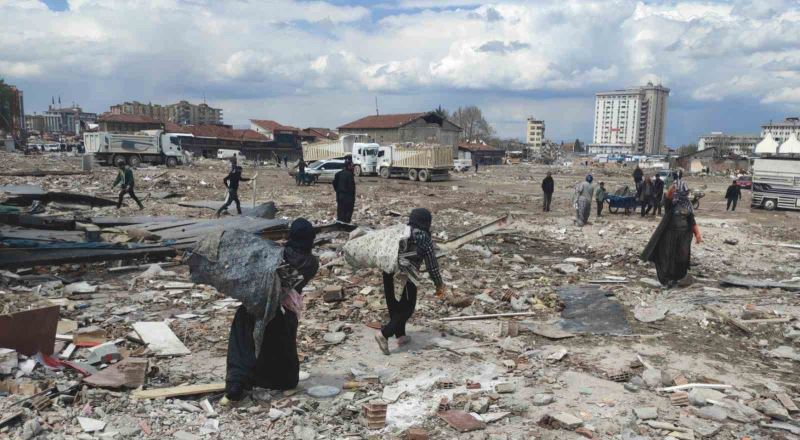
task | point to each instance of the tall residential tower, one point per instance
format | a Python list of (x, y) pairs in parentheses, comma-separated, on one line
[(630, 121)]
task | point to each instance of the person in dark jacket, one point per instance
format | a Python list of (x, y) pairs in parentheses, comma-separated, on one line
[(400, 310), (658, 190), (231, 181), (548, 186), (277, 366), (125, 178), (733, 194), (646, 196), (638, 175), (344, 183), (670, 246)]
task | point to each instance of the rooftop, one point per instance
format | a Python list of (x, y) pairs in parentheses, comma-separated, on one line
[(383, 121), (267, 124), (134, 119)]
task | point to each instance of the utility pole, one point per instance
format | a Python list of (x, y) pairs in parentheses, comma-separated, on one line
[(376, 107)]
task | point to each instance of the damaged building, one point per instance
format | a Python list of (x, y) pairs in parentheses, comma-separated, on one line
[(428, 128)]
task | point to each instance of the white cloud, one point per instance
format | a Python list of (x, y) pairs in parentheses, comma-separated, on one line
[(250, 51)]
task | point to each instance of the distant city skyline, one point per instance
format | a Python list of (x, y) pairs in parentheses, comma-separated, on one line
[(512, 59)]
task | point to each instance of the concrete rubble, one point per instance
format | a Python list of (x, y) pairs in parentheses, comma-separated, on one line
[(137, 350)]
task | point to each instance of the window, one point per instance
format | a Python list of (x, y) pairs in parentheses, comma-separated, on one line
[(333, 166)]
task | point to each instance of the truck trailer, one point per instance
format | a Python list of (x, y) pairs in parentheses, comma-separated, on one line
[(155, 147), (776, 183), (423, 163), (364, 154)]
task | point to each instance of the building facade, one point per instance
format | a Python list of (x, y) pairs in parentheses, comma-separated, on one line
[(12, 112), (68, 120), (740, 144), (128, 123), (781, 131), (182, 113), (155, 111), (428, 128), (185, 113), (534, 134), (630, 121)]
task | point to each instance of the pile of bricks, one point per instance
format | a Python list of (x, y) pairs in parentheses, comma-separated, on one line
[(374, 415)]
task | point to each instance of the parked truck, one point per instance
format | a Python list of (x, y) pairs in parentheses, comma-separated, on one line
[(423, 163), (364, 155), (155, 147), (776, 183)]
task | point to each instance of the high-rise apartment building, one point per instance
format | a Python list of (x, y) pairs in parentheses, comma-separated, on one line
[(183, 112), (781, 131), (534, 134), (630, 121)]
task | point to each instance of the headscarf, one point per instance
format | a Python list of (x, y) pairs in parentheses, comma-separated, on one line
[(681, 196), (420, 218), (301, 236), (589, 178)]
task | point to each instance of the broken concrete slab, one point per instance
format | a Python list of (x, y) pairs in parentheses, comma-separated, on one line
[(128, 373), (650, 314), (542, 399), (772, 409), (561, 420), (91, 425), (703, 428), (699, 396), (646, 413), (461, 421), (160, 339)]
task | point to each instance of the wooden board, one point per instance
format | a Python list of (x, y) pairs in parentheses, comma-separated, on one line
[(160, 339), (186, 390)]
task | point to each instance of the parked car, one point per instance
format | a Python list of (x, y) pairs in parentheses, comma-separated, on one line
[(324, 170), (745, 182), (663, 174)]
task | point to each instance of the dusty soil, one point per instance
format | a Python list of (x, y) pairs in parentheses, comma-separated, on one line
[(508, 272)]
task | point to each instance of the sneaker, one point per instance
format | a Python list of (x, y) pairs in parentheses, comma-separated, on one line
[(383, 344)]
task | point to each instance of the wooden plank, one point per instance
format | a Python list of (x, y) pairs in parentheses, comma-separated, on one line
[(727, 319), (185, 390), (160, 339)]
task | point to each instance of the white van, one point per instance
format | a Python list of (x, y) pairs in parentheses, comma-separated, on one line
[(227, 154)]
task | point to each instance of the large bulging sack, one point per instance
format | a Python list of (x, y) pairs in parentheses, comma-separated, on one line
[(245, 267), (377, 249)]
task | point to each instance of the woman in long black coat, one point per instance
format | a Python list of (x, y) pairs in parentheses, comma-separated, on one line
[(670, 247)]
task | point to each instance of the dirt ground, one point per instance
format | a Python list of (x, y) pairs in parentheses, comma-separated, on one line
[(521, 269)]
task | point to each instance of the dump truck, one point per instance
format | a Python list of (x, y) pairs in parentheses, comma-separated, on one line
[(155, 147), (423, 163), (364, 154)]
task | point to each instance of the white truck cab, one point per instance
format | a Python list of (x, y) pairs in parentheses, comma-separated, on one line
[(365, 158)]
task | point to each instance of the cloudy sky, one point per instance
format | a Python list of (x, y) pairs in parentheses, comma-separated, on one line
[(731, 65)]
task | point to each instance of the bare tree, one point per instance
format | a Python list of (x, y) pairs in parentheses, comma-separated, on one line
[(474, 125)]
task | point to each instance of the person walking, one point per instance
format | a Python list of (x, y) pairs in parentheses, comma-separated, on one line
[(420, 246), (646, 195), (277, 366), (670, 246), (582, 201), (344, 183), (476, 166), (125, 178), (548, 186), (733, 194), (231, 182), (638, 175), (285, 161), (658, 192), (600, 197)]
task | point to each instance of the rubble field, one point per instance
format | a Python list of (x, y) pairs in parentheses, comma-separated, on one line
[(591, 345)]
